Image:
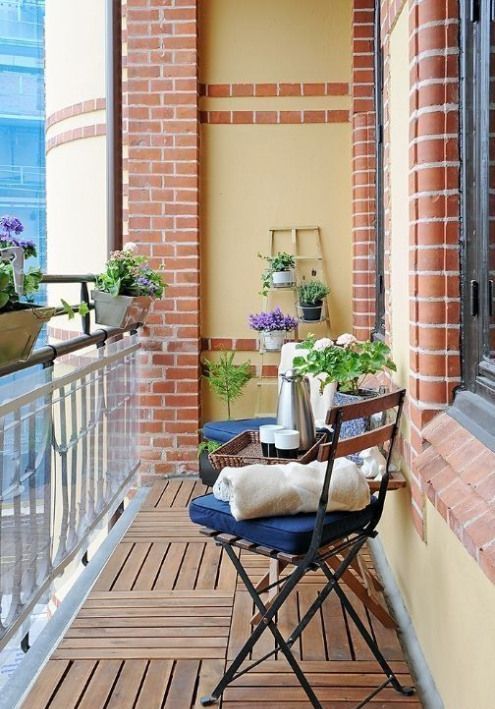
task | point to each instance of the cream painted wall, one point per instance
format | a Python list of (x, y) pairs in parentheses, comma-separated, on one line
[(75, 52), (257, 177), (76, 171), (279, 40), (449, 599)]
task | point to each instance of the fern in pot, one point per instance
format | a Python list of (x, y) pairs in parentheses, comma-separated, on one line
[(20, 320), (310, 296), (125, 290), (279, 272)]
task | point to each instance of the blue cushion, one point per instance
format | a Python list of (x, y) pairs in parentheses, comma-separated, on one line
[(223, 431), (291, 534)]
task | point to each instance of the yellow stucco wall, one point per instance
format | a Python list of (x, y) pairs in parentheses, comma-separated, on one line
[(449, 599), (255, 177)]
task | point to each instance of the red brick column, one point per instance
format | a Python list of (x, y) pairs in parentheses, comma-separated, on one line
[(161, 94), (434, 219), (363, 170)]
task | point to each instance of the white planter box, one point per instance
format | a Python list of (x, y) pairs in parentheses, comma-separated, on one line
[(120, 310), (283, 279)]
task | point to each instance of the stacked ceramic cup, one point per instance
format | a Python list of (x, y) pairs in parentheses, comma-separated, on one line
[(279, 442)]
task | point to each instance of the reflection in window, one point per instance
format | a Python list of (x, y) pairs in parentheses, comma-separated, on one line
[(22, 117)]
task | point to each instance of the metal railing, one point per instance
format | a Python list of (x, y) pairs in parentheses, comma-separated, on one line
[(68, 453)]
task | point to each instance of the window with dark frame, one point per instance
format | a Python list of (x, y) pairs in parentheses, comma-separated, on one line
[(379, 180), (478, 196)]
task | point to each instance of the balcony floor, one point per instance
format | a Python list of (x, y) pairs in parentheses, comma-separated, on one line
[(166, 612)]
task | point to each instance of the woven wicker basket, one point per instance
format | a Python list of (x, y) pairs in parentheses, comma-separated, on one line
[(245, 449)]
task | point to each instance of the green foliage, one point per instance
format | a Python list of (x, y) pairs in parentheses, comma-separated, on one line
[(82, 309), (129, 274), (282, 261), (8, 296), (312, 292), (208, 447), (226, 379), (344, 365)]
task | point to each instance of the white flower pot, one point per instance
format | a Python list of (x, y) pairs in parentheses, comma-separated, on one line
[(120, 310), (273, 340), (283, 279)]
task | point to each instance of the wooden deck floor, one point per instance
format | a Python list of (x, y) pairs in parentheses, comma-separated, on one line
[(167, 611)]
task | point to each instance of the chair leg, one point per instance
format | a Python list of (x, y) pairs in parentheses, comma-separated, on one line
[(392, 677), (266, 622)]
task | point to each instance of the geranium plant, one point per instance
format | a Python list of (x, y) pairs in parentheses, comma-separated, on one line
[(126, 273), (282, 261), (273, 320), (346, 362), (10, 230)]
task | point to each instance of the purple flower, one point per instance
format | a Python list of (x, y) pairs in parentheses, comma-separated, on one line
[(273, 320), (11, 225)]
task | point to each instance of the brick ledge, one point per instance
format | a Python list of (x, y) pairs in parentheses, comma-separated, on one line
[(458, 476)]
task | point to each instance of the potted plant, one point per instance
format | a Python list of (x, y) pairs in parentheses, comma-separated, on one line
[(226, 379), (207, 472), (279, 272), (273, 327), (346, 362), (310, 297), (20, 322), (124, 291)]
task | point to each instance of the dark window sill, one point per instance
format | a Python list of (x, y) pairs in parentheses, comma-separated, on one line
[(475, 414)]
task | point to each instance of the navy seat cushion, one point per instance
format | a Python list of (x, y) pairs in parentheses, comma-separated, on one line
[(291, 534), (223, 431)]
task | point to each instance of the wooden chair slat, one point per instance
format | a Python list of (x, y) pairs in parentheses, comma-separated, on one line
[(355, 444), (208, 532), (364, 408)]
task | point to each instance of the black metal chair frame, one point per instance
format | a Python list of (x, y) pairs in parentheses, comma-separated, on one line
[(317, 555)]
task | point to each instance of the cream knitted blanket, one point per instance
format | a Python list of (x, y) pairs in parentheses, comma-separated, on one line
[(270, 490)]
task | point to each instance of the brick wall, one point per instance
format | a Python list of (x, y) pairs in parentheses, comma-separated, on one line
[(363, 170), (161, 95)]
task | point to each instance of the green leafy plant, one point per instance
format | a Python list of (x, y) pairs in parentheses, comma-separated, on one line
[(70, 311), (208, 447), (282, 261), (10, 230), (126, 273), (312, 292), (345, 364), (226, 379)]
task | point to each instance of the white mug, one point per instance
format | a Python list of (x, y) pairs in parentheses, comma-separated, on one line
[(287, 443), (267, 440)]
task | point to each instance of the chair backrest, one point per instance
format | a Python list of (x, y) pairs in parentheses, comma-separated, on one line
[(384, 435)]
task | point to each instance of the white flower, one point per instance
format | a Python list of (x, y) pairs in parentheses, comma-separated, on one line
[(346, 339), (130, 246), (323, 344)]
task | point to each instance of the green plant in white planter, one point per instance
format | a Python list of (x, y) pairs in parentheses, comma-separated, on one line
[(279, 272), (124, 291), (20, 322), (311, 295)]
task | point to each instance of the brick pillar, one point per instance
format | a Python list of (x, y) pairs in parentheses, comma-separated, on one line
[(161, 95), (363, 170), (434, 234)]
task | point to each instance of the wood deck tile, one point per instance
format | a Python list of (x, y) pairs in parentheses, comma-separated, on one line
[(167, 611)]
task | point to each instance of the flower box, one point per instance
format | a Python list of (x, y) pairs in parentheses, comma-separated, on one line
[(19, 330), (120, 310)]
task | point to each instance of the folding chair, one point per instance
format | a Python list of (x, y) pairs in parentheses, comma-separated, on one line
[(307, 542)]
